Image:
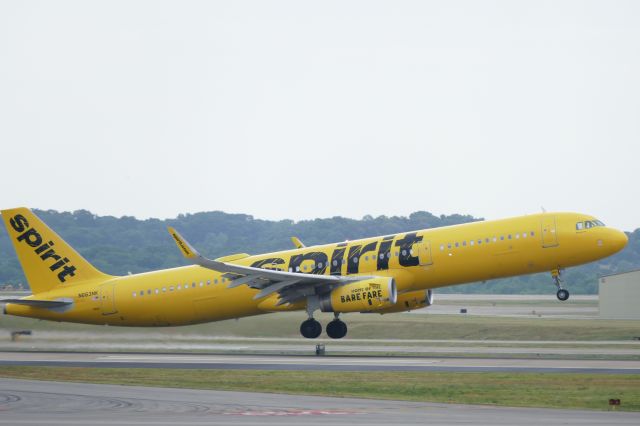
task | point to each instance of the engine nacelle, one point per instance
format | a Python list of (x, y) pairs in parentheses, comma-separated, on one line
[(365, 295), (407, 302)]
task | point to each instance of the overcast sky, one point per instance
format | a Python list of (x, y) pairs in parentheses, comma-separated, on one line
[(314, 109)]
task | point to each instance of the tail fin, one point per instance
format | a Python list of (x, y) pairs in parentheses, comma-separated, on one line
[(47, 260)]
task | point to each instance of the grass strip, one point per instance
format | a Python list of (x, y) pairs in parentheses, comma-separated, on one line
[(579, 391)]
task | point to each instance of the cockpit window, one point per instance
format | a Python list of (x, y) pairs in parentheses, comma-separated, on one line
[(587, 224)]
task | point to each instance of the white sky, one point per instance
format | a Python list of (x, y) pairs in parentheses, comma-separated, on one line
[(314, 109)]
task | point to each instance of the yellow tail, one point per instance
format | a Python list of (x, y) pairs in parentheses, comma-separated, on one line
[(46, 259)]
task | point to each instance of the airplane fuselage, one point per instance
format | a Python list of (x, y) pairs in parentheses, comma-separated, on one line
[(418, 260)]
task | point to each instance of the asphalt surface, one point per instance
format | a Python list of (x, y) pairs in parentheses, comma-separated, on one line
[(26, 402), (316, 363)]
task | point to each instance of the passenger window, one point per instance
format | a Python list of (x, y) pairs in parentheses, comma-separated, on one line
[(141, 292), (157, 291), (335, 263), (486, 240), (164, 289), (509, 236), (319, 264), (479, 241), (517, 236), (441, 247), (148, 291), (171, 288), (524, 235), (495, 239), (449, 246), (355, 260), (471, 242), (457, 244), (194, 284), (208, 282), (464, 244), (532, 233), (501, 237), (134, 294)]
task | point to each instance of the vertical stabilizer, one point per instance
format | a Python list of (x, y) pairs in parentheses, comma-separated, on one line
[(46, 259)]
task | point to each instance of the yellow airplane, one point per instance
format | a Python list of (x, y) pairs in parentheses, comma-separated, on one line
[(392, 273)]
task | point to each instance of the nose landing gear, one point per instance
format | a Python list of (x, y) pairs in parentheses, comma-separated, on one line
[(562, 294)]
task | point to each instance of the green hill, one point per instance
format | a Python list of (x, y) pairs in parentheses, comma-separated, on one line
[(122, 245)]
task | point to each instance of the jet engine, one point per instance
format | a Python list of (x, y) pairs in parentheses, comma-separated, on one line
[(365, 295)]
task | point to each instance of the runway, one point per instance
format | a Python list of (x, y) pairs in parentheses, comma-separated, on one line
[(26, 402), (316, 363)]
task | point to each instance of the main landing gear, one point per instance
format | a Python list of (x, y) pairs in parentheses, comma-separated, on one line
[(562, 294), (336, 329), (311, 328)]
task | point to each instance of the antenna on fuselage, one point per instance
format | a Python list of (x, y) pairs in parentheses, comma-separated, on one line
[(543, 209)]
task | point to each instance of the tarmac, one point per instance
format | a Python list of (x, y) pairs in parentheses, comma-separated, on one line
[(27, 402), (317, 363)]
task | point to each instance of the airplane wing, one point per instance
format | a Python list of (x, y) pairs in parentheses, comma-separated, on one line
[(291, 286)]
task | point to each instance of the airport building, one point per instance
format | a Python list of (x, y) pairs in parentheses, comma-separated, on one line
[(619, 295)]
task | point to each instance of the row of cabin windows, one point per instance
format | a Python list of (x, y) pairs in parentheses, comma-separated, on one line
[(176, 287), (487, 240)]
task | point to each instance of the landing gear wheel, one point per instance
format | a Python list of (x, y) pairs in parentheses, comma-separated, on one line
[(562, 294), (310, 328), (336, 329)]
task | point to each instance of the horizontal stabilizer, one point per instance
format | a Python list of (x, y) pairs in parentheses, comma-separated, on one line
[(38, 303)]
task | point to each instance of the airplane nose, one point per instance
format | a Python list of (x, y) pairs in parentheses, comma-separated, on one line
[(618, 240)]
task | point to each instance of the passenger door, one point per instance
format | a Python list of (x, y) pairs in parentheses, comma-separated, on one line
[(549, 232)]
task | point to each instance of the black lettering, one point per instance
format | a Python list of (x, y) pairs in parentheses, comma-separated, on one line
[(318, 258), (19, 223), (67, 270), (31, 237), (44, 247), (342, 299), (352, 259), (384, 252), (358, 296), (336, 261), (50, 254), (58, 264), (275, 261), (405, 244)]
